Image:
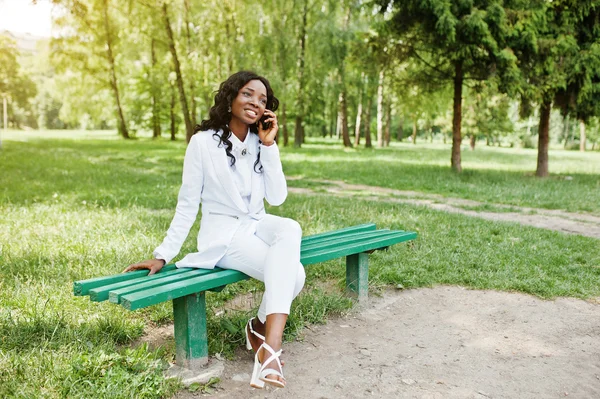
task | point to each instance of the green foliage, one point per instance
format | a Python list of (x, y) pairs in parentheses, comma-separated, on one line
[(442, 35), (487, 113), (15, 85), (580, 96)]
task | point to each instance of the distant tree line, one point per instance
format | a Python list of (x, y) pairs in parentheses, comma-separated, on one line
[(355, 69)]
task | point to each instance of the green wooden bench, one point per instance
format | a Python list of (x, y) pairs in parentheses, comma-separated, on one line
[(186, 287)]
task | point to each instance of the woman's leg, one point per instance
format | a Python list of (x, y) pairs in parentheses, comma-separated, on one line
[(269, 251), (284, 237), (272, 255), (283, 273)]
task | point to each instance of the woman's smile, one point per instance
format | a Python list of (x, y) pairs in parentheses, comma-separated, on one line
[(251, 113)]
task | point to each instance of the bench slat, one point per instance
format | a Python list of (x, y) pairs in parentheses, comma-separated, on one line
[(340, 232), (83, 287), (171, 291), (345, 250), (345, 239), (222, 277), (115, 295), (100, 294)]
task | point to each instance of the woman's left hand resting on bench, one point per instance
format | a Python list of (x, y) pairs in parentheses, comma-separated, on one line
[(154, 265)]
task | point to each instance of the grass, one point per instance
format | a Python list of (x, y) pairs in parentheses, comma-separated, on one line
[(495, 175), (74, 209), (115, 173)]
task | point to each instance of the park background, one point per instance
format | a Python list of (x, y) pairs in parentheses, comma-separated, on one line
[(494, 102)]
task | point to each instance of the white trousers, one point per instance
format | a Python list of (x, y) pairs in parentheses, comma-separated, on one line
[(269, 250)]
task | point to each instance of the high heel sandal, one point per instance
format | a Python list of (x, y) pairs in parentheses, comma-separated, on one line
[(260, 372), (249, 327)]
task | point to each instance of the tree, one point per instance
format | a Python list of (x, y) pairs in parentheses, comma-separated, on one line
[(455, 42), (542, 41), (94, 56), (189, 128), (15, 85), (581, 95), (369, 54), (300, 106)]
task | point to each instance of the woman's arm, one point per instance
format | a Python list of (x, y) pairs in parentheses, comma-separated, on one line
[(275, 184), (188, 203)]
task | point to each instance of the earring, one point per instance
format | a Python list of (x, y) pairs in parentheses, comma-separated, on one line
[(229, 109)]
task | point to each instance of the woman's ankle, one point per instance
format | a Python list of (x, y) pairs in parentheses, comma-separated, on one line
[(257, 324)]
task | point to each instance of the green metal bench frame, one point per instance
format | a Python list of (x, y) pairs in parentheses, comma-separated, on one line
[(186, 287)]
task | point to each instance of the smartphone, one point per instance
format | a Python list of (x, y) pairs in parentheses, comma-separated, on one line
[(265, 125)]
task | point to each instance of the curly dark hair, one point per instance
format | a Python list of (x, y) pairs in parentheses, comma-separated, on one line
[(220, 114)]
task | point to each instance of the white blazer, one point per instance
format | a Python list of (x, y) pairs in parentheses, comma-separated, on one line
[(208, 179)]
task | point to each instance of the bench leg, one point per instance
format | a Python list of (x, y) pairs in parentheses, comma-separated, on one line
[(357, 275), (191, 345)]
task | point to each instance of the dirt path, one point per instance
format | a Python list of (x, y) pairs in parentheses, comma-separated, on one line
[(445, 342), (567, 222)]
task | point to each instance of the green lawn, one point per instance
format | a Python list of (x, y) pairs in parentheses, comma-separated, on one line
[(73, 209), (496, 175), (116, 173)]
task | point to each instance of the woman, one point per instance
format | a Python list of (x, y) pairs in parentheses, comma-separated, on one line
[(231, 165)]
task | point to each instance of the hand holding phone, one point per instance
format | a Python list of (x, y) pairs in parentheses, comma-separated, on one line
[(268, 127)]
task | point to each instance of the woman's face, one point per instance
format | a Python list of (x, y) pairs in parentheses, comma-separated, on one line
[(250, 103)]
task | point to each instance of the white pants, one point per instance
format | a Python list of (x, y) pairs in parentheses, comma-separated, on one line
[(269, 250)]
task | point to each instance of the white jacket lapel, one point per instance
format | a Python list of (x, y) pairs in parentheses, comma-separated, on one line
[(258, 191), (220, 162)]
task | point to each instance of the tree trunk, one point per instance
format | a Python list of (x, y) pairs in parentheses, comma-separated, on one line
[(380, 110), (368, 143), (543, 140), (358, 116), (338, 123), (472, 142), (333, 117), (189, 129), (344, 114), (155, 108), (114, 84), (581, 136), (299, 131), (189, 52), (286, 135), (414, 132), (400, 131), (388, 124), (172, 114), (566, 130), (457, 117)]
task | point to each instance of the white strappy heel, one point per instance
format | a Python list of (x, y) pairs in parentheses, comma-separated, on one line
[(249, 327), (260, 371)]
